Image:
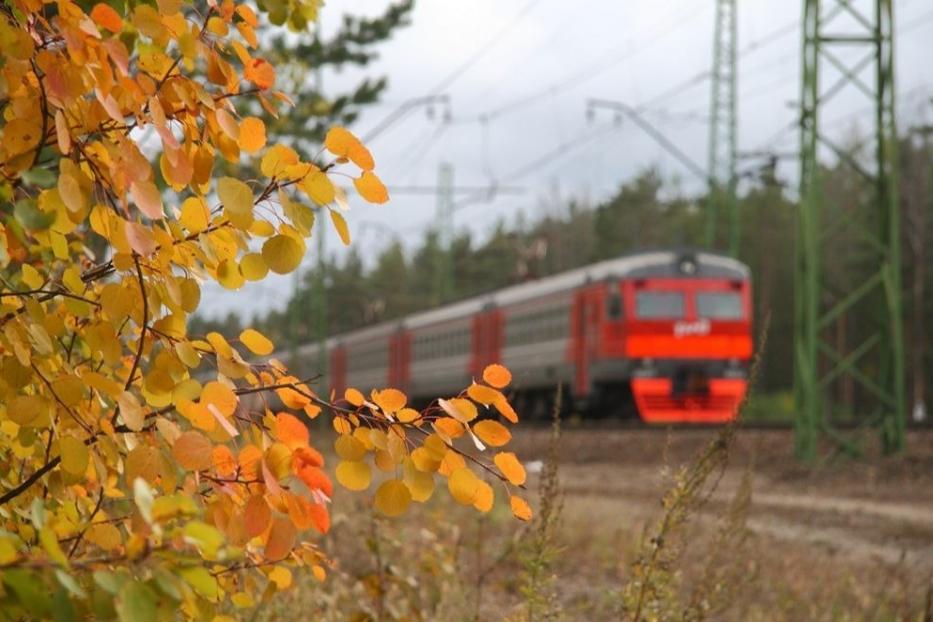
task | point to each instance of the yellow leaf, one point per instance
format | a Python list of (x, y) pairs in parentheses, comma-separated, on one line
[(282, 253), (75, 455), (318, 186), (276, 159), (192, 450), (236, 196), (349, 447), (220, 396), (393, 497), (131, 411), (520, 508), (252, 134), (497, 376), (253, 267), (371, 188), (463, 485), (195, 215), (407, 415), (354, 475), (341, 226), (459, 408), (256, 342), (510, 467), (420, 483), (492, 432), (281, 577)]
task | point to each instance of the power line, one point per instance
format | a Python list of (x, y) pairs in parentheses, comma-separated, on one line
[(592, 70), (454, 75)]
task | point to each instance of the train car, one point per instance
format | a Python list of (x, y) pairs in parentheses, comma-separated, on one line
[(666, 332)]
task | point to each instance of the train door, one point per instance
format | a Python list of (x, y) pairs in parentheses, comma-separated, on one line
[(587, 310)]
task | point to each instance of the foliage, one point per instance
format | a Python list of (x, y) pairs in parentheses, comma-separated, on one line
[(146, 470), (352, 44)]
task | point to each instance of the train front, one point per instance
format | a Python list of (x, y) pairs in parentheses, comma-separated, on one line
[(688, 336)]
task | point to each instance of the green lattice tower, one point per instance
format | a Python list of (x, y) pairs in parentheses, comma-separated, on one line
[(849, 349), (722, 129)]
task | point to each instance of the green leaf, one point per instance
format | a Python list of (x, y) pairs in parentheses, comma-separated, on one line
[(136, 603), (30, 216)]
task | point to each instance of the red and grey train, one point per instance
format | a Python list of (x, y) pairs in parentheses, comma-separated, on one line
[(666, 332)]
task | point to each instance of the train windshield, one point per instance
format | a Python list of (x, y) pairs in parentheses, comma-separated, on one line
[(659, 305), (719, 305)]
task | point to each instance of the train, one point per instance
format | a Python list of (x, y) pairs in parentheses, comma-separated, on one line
[(663, 335)]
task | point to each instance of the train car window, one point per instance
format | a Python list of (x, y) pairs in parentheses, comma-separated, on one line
[(654, 305), (614, 304), (719, 305)]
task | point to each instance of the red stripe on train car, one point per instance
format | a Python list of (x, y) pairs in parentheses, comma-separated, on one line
[(699, 347), (338, 370)]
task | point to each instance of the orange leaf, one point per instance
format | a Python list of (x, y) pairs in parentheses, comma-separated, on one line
[(339, 140), (106, 17), (252, 134), (291, 430), (492, 432), (361, 156), (147, 198), (371, 188), (510, 467), (306, 456), (390, 400), (222, 458), (497, 376), (505, 409), (483, 394), (249, 459), (192, 450), (281, 539), (354, 397), (140, 238), (257, 516), (315, 479), (484, 497), (260, 73), (520, 508), (451, 428)]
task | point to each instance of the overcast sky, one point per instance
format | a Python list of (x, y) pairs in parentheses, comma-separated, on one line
[(518, 74)]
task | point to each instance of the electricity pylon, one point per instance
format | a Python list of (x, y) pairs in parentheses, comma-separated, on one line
[(722, 130), (849, 350)]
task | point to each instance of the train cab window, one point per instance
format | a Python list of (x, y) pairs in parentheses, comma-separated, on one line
[(655, 305), (719, 305)]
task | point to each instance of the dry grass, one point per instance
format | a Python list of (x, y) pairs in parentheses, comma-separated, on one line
[(607, 537)]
